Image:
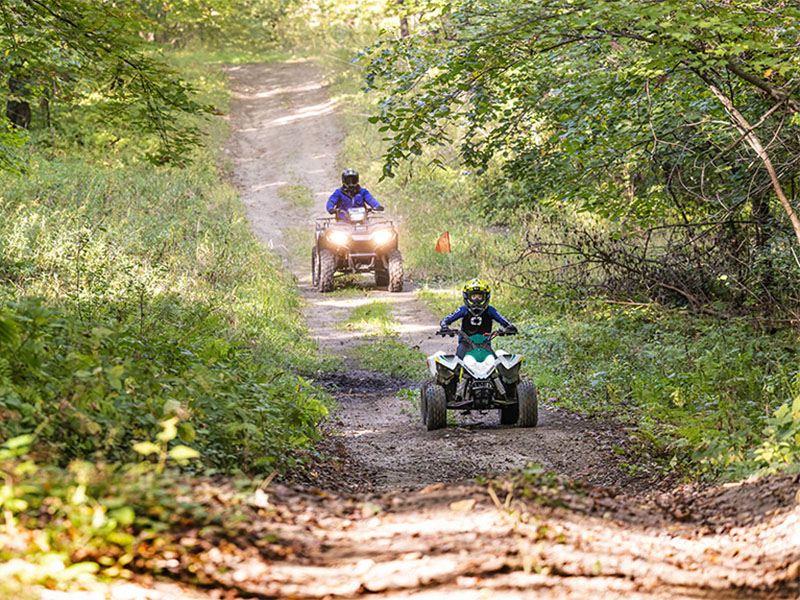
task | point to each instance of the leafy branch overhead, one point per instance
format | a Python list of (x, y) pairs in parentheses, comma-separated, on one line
[(630, 109), (91, 54)]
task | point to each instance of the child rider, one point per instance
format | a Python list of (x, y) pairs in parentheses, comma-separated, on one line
[(476, 314)]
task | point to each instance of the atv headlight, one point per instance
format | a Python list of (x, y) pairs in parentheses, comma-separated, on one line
[(480, 370), (340, 238), (382, 236)]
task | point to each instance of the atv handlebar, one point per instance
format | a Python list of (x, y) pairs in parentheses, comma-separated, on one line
[(461, 332)]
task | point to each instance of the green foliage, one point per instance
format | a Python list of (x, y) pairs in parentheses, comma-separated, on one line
[(646, 115), (696, 391), (780, 448), (91, 55), (221, 23), (577, 100), (132, 294), (97, 520)]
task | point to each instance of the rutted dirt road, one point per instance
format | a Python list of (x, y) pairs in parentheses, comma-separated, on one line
[(400, 518)]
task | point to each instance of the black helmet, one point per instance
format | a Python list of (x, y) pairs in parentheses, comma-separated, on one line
[(350, 178), (476, 295)]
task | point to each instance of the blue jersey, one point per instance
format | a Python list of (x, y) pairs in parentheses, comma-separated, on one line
[(476, 324), (342, 202)]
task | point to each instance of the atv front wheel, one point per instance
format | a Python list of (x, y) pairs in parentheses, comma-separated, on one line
[(314, 266), (381, 274), (424, 390), (327, 267), (509, 415), (395, 271), (528, 405), (435, 408)]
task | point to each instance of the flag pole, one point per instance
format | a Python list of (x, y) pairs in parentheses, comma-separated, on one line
[(453, 277), (443, 245)]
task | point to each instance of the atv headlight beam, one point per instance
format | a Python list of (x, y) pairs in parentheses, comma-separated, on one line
[(382, 236), (340, 238)]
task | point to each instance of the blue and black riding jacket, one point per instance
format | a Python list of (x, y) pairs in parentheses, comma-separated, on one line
[(341, 202)]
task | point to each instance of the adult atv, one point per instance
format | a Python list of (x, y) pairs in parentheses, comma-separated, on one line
[(483, 380), (362, 244)]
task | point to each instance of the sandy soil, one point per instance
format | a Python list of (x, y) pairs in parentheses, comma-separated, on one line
[(400, 518)]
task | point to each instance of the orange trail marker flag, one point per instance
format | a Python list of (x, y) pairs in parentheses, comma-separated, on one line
[(443, 243)]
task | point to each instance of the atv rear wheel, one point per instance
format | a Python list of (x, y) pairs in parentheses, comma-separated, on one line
[(395, 271), (528, 405), (327, 267), (314, 266), (435, 408), (509, 415)]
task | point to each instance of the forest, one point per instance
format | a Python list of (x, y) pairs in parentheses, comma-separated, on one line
[(180, 407)]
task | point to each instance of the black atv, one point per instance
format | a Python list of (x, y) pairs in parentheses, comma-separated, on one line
[(363, 244)]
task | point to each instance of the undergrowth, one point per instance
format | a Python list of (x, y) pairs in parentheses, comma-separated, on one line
[(129, 293)]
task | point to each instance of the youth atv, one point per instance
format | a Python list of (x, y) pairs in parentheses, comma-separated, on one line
[(362, 244), (483, 380)]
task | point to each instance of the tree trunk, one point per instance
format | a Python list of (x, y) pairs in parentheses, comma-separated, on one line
[(404, 30), (749, 136), (18, 110)]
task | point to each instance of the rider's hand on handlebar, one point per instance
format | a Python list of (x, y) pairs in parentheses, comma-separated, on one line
[(378, 209), (510, 330), (445, 331)]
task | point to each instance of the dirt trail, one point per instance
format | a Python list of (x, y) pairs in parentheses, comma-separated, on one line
[(403, 519), (285, 131)]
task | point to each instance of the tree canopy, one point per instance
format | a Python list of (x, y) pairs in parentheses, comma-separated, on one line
[(102, 59), (606, 104)]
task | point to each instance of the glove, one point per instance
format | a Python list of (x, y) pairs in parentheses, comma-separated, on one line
[(443, 331), (510, 330), (378, 209), (331, 211)]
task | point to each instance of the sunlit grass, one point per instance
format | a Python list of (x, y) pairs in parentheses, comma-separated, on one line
[(372, 319), (296, 196)]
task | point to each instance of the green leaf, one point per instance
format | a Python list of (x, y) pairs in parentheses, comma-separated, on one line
[(181, 453), (186, 432), (147, 448), (124, 515), (9, 331), (169, 430), (19, 442)]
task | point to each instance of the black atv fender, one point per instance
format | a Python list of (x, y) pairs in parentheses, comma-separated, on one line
[(508, 366)]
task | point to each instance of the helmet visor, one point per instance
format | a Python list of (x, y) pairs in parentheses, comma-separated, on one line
[(350, 179)]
